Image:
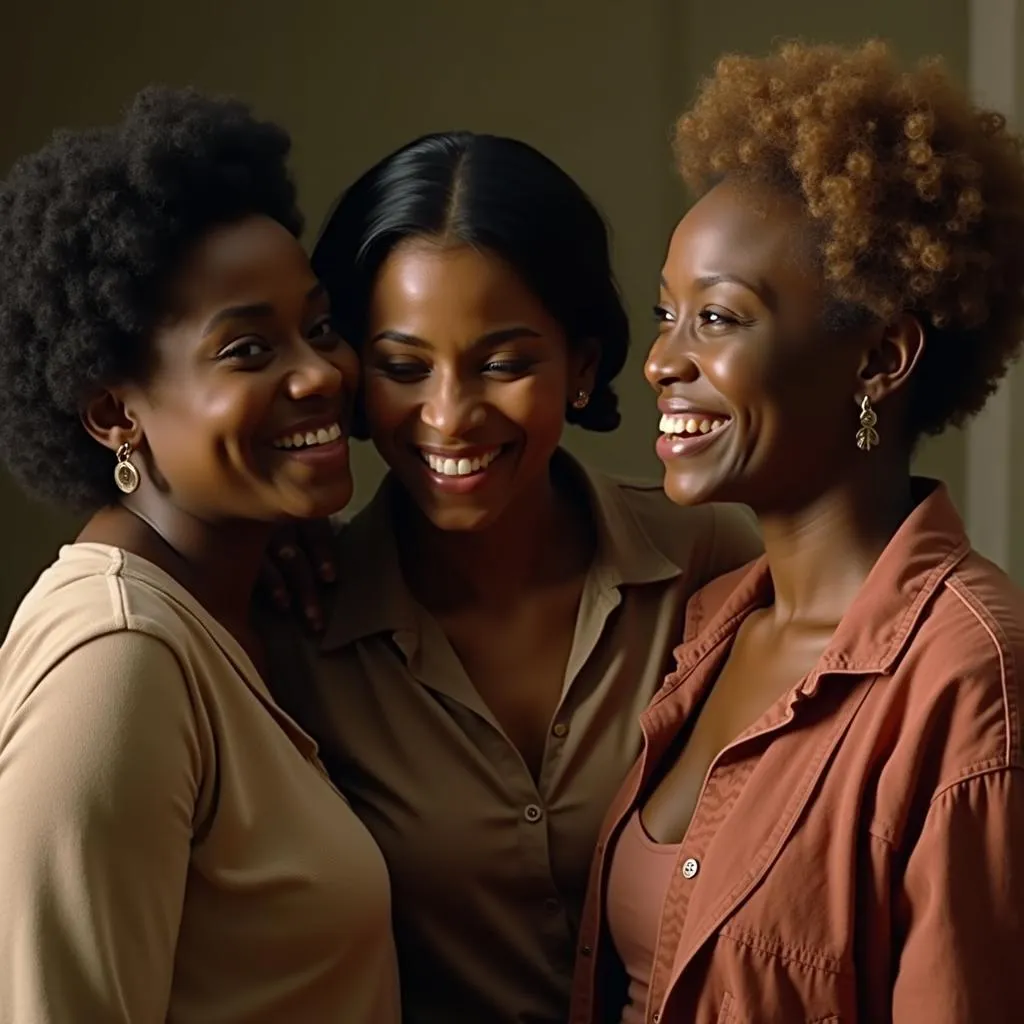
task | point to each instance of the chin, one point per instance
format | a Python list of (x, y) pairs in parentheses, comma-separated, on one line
[(467, 519), (321, 502), (688, 489)]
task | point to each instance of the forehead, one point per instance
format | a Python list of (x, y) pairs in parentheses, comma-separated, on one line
[(751, 231), (253, 260), (427, 283)]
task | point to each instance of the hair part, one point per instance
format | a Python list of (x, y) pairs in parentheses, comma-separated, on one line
[(498, 195)]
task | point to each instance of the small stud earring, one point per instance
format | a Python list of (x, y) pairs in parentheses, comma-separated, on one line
[(867, 436), (581, 400), (126, 476)]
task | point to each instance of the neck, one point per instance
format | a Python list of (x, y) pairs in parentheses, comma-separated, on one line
[(541, 539), (821, 554), (217, 563)]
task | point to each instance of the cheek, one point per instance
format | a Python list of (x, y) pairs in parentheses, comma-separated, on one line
[(535, 404), (387, 405), (193, 425), (742, 375)]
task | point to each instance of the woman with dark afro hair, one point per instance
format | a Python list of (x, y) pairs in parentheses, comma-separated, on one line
[(170, 846), (827, 822)]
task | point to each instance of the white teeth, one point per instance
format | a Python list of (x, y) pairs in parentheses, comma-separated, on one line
[(447, 466), (682, 425), (324, 435)]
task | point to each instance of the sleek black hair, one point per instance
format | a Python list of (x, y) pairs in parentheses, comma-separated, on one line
[(92, 227), (495, 194)]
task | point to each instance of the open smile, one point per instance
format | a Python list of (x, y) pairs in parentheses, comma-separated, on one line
[(310, 438), (689, 432), (460, 470)]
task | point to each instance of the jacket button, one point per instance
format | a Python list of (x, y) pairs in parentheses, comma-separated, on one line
[(586, 950), (690, 867), (533, 813)]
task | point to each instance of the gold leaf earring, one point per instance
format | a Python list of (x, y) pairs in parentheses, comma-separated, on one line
[(581, 400), (867, 436), (126, 476)]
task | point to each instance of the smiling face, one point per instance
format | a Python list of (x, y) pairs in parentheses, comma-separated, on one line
[(757, 399), (467, 378), (244, 414)]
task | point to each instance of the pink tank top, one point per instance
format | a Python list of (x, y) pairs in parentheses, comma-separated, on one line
[(638, 880)]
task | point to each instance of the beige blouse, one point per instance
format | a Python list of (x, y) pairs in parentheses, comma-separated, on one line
[(170, 848), (489, 868)]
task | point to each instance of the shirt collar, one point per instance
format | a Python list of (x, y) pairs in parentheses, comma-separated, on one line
[(371, 596), (626, 552), (875, 629)]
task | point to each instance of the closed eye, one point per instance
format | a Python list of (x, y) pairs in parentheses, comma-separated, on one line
[(507, 367), (404, 370)]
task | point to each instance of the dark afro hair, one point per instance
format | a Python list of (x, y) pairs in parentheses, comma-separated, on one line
[(92, 228), (917, 197)]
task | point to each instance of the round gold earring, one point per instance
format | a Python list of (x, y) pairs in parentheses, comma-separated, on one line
[(126, 476), (581, 400), (867, 436)]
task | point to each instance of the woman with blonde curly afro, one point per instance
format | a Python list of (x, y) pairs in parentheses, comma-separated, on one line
[(827, 821)]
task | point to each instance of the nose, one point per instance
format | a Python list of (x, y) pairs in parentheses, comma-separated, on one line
[(668, 363), (313, 374), (451, 408)]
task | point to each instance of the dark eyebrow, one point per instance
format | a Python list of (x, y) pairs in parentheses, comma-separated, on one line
[(253, 311), (488, 340), (760, 289)]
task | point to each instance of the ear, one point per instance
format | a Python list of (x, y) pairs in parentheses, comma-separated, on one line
[(110, 421), (887, 365), (586, 356)]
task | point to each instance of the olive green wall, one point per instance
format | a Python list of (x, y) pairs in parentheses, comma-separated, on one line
[(594, 83)]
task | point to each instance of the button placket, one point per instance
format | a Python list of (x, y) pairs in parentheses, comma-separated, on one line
[(681, 888)]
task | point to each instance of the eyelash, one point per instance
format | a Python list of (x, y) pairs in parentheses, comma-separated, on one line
[(408, 371), (663, 316), (237, 349)]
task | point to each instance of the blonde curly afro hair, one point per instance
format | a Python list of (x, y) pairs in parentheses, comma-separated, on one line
[(915, 195)]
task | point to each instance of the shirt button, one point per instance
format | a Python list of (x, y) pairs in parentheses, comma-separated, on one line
[(560, 730), (533, 813), (586, 950), (551, 905), (690, 867), (655, 1017)]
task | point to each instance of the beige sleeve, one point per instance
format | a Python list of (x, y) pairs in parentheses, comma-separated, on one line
[(736, 540), (99, 771)]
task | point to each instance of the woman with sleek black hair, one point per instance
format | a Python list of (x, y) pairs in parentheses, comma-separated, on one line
[(505, 612)]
